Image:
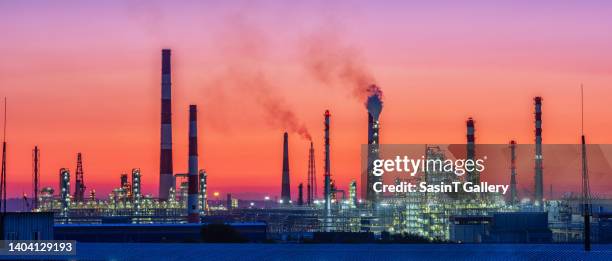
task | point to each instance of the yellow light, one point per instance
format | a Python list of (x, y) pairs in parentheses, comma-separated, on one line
[(216, 194)]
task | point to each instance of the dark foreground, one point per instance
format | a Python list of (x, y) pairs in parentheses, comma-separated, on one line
[(293, 252)]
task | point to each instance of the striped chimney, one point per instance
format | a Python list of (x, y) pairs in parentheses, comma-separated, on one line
[(327, 188), (539, 179), (166, 178), (193, 211), (473, 176)]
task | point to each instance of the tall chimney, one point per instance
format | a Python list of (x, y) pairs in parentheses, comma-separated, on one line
[(36, 155), (513, 192), (166, 179), (539, 180), (300, 194), (374, 106), (312, 176), (285, 189), (193, 211), (473, 176), (327, 189)]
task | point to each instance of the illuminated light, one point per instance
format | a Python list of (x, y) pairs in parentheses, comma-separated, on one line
[(266, 198), (280, 201), (252, 204), (216, 194)]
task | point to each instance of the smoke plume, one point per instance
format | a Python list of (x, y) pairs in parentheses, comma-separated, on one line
[(244, 73), (276, 111), (329, 61)]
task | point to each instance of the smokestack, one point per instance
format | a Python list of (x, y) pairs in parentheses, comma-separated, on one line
[(327, 189), (473, 176), (285, 189), (300, 194), (36, 156), (513, 192), (539, 180), (374, 106), (312, 176), (166, 179), (192, 199)]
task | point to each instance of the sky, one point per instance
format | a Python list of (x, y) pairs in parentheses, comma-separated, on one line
[(84, 76)]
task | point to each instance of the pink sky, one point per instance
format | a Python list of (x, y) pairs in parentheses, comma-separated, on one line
[(85, 77)]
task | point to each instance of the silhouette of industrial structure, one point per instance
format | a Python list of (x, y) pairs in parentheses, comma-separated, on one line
[(184, 198)]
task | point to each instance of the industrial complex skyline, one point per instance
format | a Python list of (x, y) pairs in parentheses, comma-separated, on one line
[(97, 92)]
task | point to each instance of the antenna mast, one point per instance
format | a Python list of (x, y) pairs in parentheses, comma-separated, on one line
[(3, 178), (586, 194), (79, 190), (36, 174)]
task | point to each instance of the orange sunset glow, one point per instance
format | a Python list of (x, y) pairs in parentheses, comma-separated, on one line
[(85, 77)]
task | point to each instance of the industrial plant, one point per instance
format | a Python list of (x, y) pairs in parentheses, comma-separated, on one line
[(449, 217)]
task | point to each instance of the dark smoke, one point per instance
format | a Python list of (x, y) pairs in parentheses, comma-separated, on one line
[(245, 74), (276, 111), (329, 61), (254, 84)]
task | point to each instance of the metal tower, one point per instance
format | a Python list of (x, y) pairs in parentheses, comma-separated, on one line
[(79, 188), (3, 175), (202, 176), (136, 190), (64, 185), (586, 190), (353, 193)]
